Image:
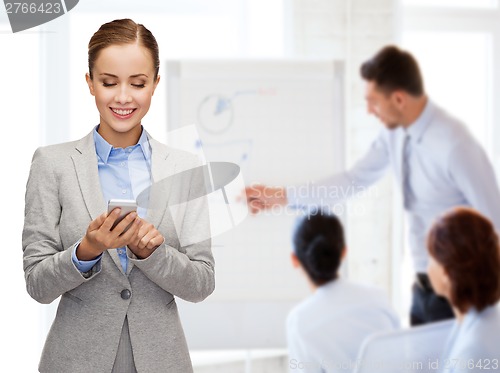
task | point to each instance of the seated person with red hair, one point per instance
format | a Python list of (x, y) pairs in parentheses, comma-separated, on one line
[(464, 267)]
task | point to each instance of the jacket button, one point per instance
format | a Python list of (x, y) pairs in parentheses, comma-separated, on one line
[(125, 294)]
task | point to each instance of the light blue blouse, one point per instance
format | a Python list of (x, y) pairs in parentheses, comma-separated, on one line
[(474, 344)]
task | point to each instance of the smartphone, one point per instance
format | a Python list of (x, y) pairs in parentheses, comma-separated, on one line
[(126, 205)]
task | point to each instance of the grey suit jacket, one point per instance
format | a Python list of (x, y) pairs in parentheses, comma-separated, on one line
[(63, 195)]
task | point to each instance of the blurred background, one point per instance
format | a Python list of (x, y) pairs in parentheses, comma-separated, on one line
[(45, 100)]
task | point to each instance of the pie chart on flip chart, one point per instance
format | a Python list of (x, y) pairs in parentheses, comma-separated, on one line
[(281, 122)]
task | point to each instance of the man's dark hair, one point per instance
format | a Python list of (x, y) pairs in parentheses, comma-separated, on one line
[(392, 69)]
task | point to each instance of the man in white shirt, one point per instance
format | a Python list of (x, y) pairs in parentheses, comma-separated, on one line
[(434, 158)]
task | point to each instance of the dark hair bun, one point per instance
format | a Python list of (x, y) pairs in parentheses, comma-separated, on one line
[(318, 243), (321, 260)]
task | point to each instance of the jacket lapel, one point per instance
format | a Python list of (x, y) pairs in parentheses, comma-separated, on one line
[(161, 184), (85, 161)]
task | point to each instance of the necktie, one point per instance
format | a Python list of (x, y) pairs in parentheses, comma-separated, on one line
[(407, 191)]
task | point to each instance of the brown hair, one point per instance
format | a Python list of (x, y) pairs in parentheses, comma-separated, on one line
[(119, 32), (392, 69), (465, 243)]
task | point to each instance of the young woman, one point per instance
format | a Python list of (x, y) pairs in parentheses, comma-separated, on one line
[(464, 267), (117, 311), (326, 330)]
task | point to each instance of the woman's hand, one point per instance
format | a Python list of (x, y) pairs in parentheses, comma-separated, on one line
[(146, 240), (100, 237)]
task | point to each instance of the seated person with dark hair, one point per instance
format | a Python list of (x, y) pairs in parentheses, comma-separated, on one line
[(464, 267), (327, 329)]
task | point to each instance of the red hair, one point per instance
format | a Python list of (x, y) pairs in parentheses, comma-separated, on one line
[(465, 243)]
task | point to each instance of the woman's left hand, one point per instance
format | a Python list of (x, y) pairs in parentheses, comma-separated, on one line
[(148, 239)]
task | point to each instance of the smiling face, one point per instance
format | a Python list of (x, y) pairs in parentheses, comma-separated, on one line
[(386, 107), (123, 84)]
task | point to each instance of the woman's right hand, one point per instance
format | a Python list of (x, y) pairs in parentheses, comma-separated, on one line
[(99, 236)]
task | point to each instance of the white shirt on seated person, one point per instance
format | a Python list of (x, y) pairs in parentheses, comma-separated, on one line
[(474, 344), (326, 330)]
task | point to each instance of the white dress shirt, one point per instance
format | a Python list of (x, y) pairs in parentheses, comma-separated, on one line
[(447, 168), (474, 344), (326, 330)]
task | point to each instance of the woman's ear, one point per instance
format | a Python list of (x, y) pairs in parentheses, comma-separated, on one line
[(90, 83), (295, 260), (344, 253), (155, 84)]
